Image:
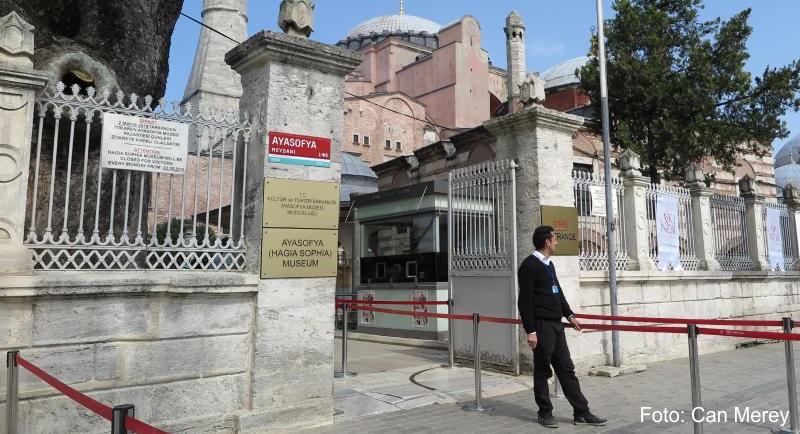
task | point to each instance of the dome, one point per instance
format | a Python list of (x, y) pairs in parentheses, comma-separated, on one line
[(789, 174), (788, 154), (563, 74), (394, 24)]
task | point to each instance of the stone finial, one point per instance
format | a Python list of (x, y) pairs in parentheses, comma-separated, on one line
[(531, 91), (791, 196), (296, 17), (747, 186), (695, 174), (402, 9), (629, 163), (16, 40)]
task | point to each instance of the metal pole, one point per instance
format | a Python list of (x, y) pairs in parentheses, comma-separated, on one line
[(514, 264), (344, 373), (694, 371), (476, 406), (790, 378), (12, 387), (118, 418), (610, 227), (450, 346)]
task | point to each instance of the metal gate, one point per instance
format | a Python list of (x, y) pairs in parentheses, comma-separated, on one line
[(84, 217), (482, 256)]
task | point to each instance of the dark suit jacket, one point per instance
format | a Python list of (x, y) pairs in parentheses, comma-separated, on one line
[(536, 298)]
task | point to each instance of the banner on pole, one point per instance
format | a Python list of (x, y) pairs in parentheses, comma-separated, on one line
[(774, 240), (668, 232)]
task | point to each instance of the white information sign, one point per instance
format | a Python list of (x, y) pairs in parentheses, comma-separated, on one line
[(145, 144), (774, 239), (668, 232), (599, 201)]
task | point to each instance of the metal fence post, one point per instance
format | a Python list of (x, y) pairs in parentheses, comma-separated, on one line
[(344, 373), (450, 344), (12, 389), (118, 418), (694, 371), (476, 406), (790, 378)]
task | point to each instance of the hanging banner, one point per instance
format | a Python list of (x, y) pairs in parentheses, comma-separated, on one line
[(668, 232), (145, 144), (774, 239), (367, 316), (296, 149), (599, 201), (421, 296)]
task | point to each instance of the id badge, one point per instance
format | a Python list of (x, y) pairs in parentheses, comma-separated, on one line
[(555, 289)]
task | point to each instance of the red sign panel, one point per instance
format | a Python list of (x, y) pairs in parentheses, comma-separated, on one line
[(296, 149)]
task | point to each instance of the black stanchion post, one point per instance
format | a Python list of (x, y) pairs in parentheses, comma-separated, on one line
[(118, 418), (12, 389), (790, 378), (450, 344), (344, 373), (694, 371), (476, 406)]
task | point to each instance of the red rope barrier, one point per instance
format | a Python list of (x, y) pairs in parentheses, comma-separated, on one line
[(421, 303), (749, 334), (495, 319), (697, 321), (94, 406)]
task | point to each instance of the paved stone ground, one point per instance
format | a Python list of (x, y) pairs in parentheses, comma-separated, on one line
[(751, 378)]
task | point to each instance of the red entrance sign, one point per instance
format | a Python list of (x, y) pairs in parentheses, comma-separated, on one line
[(296, 149)]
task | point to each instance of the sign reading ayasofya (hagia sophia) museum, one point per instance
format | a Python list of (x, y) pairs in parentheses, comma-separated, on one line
[(295, 203), (289, 148), (144, 144), (298, 253)]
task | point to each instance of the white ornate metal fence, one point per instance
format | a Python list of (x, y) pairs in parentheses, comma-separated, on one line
[(482, 217), (592, 227), (790, 251), (729, 224), (82, 216), (688, 257)]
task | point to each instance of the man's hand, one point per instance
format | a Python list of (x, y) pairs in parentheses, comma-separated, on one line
[(532, 340), (574, 323)]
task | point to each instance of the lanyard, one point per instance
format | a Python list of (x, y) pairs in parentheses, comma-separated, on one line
[(549, 272)]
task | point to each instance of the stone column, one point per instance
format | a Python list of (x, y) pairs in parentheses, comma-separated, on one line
[(637, 234), (540, 140), (701, 219), (754, 219), (19, 83), (791, 197), (291, 84)]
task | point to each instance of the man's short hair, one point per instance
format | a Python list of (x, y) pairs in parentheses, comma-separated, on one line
[(541, 235)]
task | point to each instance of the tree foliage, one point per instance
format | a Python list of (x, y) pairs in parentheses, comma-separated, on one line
[(678, 90)]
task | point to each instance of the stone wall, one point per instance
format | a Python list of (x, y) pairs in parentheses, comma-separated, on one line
[(178, 347)]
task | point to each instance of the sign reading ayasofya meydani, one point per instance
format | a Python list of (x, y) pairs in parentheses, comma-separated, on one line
[(144, 144), (774, 239), (668, 232), (289, 148)]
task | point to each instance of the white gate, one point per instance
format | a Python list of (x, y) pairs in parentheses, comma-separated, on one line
[(83, 217), (483, 257)]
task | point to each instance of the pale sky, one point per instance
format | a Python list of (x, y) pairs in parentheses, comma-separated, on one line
[(556, 30)]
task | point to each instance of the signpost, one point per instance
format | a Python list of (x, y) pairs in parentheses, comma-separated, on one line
[(145, 144), (296, 149)]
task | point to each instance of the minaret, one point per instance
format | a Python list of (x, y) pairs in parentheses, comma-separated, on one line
[(515, 49), (213, 83)]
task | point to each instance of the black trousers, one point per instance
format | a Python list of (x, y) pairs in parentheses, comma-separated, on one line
[(552, 350)]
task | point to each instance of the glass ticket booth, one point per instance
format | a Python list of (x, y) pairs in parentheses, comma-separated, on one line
[(402, 256)]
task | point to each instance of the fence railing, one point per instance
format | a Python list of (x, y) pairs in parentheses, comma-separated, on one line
[(729, 224), (788, 233), (592, 226), (688, 257), (84, 217)]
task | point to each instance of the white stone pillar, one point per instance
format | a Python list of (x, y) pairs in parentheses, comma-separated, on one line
[(754, 220), (637, 233), (19, 83), (540, 140), (791, 197), (701, 219), (295, 85)]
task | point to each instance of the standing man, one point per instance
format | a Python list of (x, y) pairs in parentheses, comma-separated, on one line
[(542, 305)]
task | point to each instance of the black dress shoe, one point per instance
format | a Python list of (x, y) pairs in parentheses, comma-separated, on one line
[(547, 420), (589, 419)]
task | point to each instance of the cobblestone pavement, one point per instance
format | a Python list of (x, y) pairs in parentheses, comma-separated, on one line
[(733, 383)]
